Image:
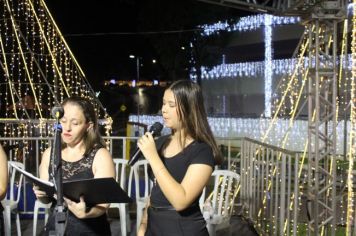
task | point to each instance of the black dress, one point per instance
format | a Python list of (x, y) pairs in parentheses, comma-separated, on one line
[(163, 219), (81, 169), (2, 231)]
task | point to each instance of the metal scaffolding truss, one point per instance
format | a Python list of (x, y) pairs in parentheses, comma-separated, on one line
[(283, 7), (322, 125)]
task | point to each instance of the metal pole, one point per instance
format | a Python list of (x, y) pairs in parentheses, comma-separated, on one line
[(138, 88)]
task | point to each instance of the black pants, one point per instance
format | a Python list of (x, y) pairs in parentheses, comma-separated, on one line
[(189, 222)]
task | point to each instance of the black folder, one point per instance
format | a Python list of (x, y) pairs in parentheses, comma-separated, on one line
[(94, 191), (98, 190)]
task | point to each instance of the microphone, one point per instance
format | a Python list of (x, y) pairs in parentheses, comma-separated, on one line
[(57, 112), (154, 130)]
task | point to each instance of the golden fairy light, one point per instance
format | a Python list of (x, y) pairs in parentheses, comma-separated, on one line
[(294, 100), (39, 69), (351, 155)]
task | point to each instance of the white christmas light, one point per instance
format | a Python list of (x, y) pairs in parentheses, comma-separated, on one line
[(254, 128), (268, 65), (246, 24), (256, 69)]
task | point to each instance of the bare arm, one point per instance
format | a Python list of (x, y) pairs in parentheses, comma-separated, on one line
[(143, 226), (3, 173), (180, 195), (103, 167)]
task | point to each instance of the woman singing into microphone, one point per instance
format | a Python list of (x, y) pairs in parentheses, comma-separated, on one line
[(181, 167)]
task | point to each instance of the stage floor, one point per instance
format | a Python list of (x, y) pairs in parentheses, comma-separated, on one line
[(236, 227)]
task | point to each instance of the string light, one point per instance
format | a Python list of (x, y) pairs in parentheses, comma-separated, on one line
[(268, 64), (247, 23), (39, 65), (255, 128), (350, 214)]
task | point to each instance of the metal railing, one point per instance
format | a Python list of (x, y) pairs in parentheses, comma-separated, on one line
[(270, 193), (272, 186), (120, 147)]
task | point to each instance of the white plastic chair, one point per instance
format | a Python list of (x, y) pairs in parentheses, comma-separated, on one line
[(140, 168), (120, 169), (40, 205), (11, 201), (218, 206)]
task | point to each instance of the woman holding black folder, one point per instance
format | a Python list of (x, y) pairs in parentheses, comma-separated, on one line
[(181, 167), (83, 157), (3, 185)]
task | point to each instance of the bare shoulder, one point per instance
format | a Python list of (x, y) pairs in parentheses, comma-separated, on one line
[(45, 162), (46, 156), (102, 152), (102, 156), (47, 152), (103, 165), (2, 154)]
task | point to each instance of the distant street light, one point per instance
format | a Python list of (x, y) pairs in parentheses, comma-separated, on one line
[(137, 84)]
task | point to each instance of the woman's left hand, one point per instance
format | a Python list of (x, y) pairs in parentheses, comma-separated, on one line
[(147, 145), (77, 208)]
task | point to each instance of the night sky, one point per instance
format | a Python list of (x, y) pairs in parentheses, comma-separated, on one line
[(102, 34), (87, 27)]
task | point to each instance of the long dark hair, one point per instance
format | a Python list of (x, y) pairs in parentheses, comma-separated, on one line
[(191, 111), (92, 137)]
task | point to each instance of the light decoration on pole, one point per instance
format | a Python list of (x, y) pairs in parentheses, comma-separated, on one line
[(268, 64), (350, 215), (287, 89), (38, 68)]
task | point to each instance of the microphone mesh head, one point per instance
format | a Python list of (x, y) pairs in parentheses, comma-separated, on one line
[(57, 112), (156, 128)]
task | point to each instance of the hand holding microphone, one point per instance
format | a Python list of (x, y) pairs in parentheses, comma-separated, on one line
[(145, 141)]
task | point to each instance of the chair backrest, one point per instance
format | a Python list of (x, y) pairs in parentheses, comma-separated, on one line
[(15, 177), (120, 172), (202, 199), (140, 169), (225, 187)]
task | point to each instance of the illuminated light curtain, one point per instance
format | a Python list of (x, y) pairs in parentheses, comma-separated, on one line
[(38, 68), (255, 128), (350, 214), (268, 65), (247, 24)]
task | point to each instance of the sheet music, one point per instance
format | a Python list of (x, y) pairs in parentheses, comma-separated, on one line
[(31, 176)]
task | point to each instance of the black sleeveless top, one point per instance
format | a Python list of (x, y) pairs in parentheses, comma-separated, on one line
[(81, 169)]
